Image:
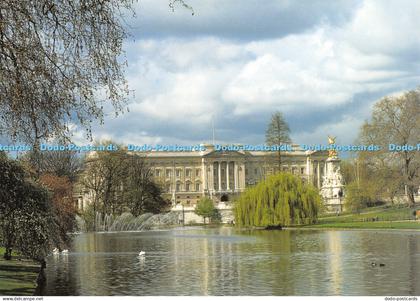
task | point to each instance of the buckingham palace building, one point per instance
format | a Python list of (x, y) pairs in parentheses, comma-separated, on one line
[(188, 176)]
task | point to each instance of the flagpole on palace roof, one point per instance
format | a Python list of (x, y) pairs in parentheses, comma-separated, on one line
[(212, 124)]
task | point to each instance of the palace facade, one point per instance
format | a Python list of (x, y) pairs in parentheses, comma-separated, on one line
[(220, 175)]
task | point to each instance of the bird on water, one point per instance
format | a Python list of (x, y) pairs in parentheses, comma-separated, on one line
[(374, 264)]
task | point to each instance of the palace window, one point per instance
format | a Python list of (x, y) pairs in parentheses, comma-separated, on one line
[(197, 186), (187, 186), (256, 171), (302, 170), (168, 187), (197, 172), (178, 186), (178, 173), (168, 173), (188, 172), (157, 172)]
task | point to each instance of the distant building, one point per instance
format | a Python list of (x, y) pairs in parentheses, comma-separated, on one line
[(220, 175), (187, 176)]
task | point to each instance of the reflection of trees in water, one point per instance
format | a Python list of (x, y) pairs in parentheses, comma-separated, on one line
[(88, 268), (266, 262), (414, 266), (60, 275), (227, 261)]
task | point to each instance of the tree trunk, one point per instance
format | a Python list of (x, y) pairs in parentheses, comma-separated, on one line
[(7, 254), (409, 178), (36, 155), (94, 212), (410, 196)]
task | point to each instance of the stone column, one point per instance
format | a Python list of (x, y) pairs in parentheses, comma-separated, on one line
[(242, 177), (318, 175), (211, 178), (308, 169), (204, 176), (227, 175), (219, 174), (173, 173), (325, 168), (235, 175)]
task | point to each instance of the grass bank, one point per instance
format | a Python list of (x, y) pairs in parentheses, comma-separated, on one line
[(369, 225), (383, 217), (17, 276)]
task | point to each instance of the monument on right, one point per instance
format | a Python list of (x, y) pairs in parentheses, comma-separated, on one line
[(332, 189)]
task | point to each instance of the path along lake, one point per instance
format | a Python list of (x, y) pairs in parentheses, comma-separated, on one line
[(228, 261)]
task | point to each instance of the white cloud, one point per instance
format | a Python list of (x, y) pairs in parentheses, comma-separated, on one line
[(181, 81), (385, 27), (343, 129)]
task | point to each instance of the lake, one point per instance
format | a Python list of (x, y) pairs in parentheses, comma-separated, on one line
[(228, 261)]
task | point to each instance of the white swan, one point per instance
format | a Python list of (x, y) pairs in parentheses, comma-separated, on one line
[(65, 251), (56, 251), (142, 253)]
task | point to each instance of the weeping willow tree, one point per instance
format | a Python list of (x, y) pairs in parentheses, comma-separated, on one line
[(282, 199)]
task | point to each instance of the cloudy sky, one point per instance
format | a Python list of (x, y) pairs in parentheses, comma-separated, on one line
[(322, 63)]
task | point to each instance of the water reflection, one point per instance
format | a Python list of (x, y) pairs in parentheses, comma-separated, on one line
[(227, 261), (334, 247)]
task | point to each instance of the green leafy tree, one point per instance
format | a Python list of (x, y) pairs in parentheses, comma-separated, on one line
[(205, 208), (395, 120), (12, 179), (281, 199), (36, 227), (27, 219), (89, 215), (369, 183), (277, 133), (359, 196)]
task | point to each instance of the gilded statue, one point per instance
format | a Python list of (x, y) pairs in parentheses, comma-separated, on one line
[(332, 153)]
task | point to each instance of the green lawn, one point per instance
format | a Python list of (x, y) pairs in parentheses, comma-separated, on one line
[(17, 277), (383, 217), (370, 225)]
